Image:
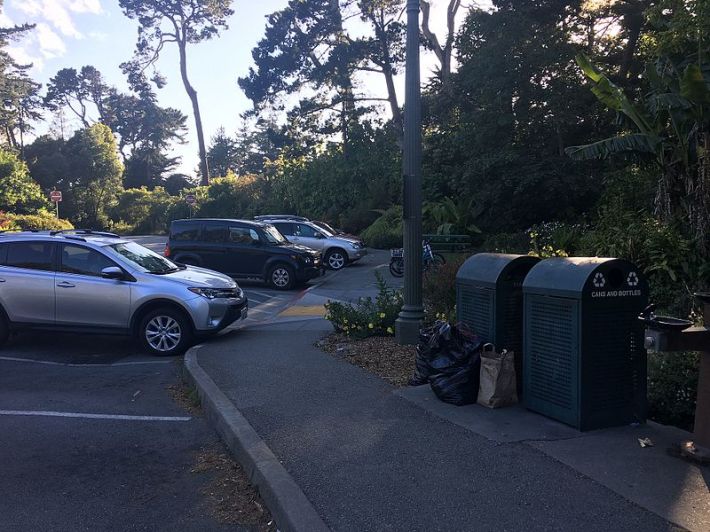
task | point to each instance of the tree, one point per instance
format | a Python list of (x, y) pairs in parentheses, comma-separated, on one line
[(95, 170), (308, 49), (19, 194), (19, 100), (444, 52), (183, 23), (222, 154), (78, 91), (48, 164), (669, 126)]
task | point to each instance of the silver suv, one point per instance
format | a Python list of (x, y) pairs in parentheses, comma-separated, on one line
[(338, 250), (99, 282)]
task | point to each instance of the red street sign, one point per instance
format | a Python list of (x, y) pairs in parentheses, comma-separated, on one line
[(55, 196), (190, 199)]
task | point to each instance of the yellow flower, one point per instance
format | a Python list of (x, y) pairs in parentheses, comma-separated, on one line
[(382, 314), (389, 330), (371, 326)]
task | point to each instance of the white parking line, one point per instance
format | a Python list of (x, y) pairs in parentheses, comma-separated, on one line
[(44, 413), (115, 364)]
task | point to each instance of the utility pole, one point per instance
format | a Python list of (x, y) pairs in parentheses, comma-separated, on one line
[(412, 314)]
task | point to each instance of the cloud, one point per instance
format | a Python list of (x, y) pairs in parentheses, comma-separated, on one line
[(58, 13), (50, 44), (55, 22)]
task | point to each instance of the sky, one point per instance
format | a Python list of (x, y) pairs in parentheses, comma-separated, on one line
[(74, 33)]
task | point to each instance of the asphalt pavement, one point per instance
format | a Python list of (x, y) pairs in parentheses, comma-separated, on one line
[(92, 439), (368, 459)]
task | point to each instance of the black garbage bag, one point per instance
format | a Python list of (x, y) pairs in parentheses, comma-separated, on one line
[(456, 372), (458, 385), (429, 349)]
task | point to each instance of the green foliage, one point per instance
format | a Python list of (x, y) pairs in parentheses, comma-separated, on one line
[(367, 317), (386, 231), (439, 290), (41, 221), (555, 239), (96, 176), (142, 212), (672, 388), (447, 217), (229, 197), (18, 192)]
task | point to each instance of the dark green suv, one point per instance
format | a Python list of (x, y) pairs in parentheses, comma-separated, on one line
[(242, 249)]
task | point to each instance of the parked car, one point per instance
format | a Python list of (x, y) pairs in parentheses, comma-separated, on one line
[(101, 283), (338, 232), (337, 250), (243, 249)]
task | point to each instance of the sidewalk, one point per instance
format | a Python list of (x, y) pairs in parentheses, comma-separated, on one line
[(370, 457)]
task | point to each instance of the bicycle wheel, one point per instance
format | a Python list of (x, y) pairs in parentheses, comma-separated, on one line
[(397, 267), (439, 259)]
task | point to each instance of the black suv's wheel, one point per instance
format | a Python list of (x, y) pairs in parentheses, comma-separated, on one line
[(282, 277), (165, 332), (336, 259), (4, 328)]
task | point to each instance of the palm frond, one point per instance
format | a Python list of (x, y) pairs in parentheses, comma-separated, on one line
[(637, 142)]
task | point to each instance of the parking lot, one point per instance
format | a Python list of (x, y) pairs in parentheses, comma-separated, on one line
[(93, 436), (92, 439)]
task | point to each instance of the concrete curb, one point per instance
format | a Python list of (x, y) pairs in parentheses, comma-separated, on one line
[(289, 506)]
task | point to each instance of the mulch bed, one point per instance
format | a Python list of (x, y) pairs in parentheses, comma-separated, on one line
[(230, 496), (380, 355)]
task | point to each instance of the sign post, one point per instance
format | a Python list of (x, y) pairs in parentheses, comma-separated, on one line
[(190, 199), (56, 197)]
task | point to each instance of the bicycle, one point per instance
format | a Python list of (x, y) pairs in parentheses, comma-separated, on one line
[(430, 260)]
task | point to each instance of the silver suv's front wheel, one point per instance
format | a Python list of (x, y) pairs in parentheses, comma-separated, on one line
[(165, 332), (336, 259)]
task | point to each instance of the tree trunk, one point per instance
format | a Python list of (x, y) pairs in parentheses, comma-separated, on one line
[(192, 93), (387, 71)]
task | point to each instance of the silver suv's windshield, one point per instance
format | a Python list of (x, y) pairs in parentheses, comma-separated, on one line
[(143, 258), (273, 236)]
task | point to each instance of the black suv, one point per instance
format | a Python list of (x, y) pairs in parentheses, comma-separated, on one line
[(242, 248)]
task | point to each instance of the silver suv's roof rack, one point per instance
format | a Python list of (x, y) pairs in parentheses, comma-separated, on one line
[(284, 217), (87, 232)]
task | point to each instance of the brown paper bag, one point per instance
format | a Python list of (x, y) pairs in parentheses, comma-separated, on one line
[(498, 382)]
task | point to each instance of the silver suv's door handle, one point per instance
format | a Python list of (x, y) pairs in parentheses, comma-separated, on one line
[(65, 284), (2, 280)]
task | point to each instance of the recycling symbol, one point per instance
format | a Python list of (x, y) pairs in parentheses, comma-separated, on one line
[(633, 279), (599, 280)]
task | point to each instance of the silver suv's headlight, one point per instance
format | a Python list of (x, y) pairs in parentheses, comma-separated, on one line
[(355, 245), (213, 293), (209, 293)]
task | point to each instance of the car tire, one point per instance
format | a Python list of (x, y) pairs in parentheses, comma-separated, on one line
[(4, 328), (282, 277), (336, 259), (165, 332)]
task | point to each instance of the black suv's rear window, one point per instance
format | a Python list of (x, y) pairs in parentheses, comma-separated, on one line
[(185, 232), (30, 255)]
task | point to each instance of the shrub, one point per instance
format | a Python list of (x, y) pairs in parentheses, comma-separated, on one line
[(507, 243), (367, 317), (439, 290), (142, 211), (386, 231), (42, 221), (672, 388)]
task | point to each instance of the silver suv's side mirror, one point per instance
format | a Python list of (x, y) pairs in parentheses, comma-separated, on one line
[(320, 235), (113, 272)]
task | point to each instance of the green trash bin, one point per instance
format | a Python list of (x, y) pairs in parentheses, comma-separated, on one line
[(584, 356), (489, 299)]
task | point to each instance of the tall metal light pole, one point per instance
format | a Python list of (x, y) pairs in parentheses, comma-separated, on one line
[(412, 314)]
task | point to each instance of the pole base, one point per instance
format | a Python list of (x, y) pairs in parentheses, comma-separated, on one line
[(691, 452), (406, 331)]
